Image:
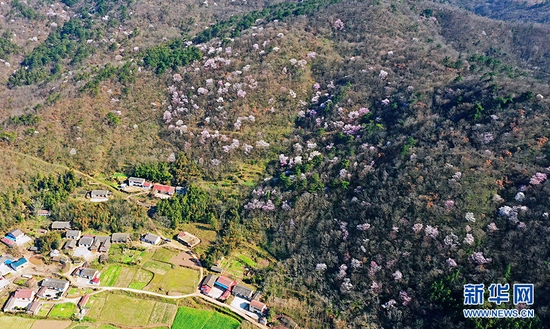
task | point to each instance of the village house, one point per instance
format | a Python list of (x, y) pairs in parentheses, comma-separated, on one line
[(18, 236), (134, 181), (188, 239), (88, 273), (70, 244), (34, 307), (101, 244), (52, 288), (20, 300), (73, 234), (86, 241), (151, 238), (61, 225), (43, 212), (120, 238), (5, 262), (257, 307), (19, 264), (208, 283), (226, 284), (8, 242), (99, 194), (241, 291), (82, 302), (163, 191)]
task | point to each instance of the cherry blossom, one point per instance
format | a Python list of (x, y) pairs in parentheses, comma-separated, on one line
[(478, 258), (538, 178), (338, 24)]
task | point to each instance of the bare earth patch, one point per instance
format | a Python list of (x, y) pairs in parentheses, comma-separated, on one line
[(184, 259)]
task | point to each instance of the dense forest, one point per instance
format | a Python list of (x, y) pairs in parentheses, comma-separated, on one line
[(384, 152)]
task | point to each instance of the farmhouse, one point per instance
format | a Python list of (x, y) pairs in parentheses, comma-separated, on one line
[(241, 291), (88, 273), (134, 181), (70, 244), (163, 191), (5, 262), (17, 235), (34, 307), (208, 283), (61, 225), (53, 288), (99, 194), (20, 300), (73, 234), (257, 307), (86, 241), (120, 238), (226, 284), (19, 264), (101, 244), (151, 238), (43, 212), (188, 239), (82, 302), (8, 242)]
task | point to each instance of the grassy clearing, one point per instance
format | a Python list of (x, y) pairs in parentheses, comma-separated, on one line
[(157, 267), (109, 276), (163, 255), (63, 311), (13, 322), (202, 319)]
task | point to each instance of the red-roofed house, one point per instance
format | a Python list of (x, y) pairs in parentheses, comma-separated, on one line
[(225, 283), (24, 294), (161, 191), (257, 307), (8, 242), (83, 300), (19, 301)]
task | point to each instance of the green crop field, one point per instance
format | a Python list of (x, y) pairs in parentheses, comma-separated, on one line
[(218, 321), (191, 318), (110, 276), (63, 311)]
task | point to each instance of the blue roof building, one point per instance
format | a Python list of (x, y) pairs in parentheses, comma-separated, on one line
[(19, 264)]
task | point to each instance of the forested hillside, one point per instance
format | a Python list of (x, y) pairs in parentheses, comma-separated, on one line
[(384, 152)]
